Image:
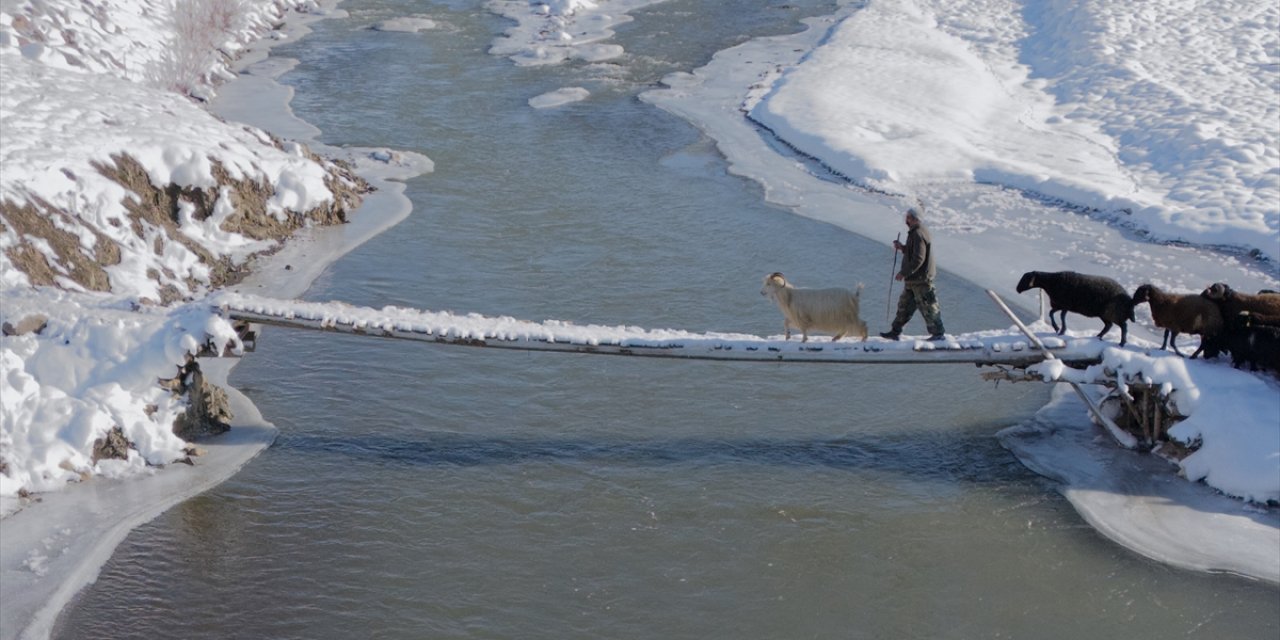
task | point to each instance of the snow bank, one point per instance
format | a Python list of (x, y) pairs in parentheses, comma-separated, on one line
[(1188, 93), (161, 43), (912, 103), (54, 548), (93, 368), (1144, 507), (1232, 416), (85, 84), (82, 89), (1162, 116)]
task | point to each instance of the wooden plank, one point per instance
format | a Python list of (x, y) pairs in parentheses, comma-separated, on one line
[(992, 352)]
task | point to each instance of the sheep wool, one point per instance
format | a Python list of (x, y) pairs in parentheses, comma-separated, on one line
[(1249, 332), (1182, 313), (1087, 295), (1232, 302), (835, 310)]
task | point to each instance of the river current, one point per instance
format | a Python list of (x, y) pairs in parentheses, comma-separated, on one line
[(421, 491)]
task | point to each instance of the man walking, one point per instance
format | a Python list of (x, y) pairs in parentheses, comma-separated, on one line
[(917, 274)]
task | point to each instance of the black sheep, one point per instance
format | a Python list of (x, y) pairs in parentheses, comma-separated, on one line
[(1092, 296), (1252, 342)]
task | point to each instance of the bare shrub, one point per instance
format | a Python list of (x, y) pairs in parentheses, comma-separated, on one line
[(225, 15), (201, 28)]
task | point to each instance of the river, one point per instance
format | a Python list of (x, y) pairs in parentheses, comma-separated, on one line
[(421, 491)]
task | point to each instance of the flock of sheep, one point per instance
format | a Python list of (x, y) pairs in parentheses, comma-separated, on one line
[(1245, 325)]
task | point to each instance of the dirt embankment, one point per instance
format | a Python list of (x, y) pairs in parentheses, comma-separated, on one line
[(39, 224)]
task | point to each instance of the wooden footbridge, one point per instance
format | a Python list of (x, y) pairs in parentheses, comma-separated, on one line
[(1007, 349)]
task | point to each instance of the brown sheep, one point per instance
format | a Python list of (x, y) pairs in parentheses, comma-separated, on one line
[(1263, 320), (1246, 316), (1232, 302), (1182, 313)]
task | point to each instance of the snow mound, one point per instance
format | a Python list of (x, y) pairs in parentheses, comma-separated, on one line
[(1239, 455), (94, 367)]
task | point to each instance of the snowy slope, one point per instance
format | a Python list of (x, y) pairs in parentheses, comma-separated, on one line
[(84, 85), (1165, 117), (88, 83)]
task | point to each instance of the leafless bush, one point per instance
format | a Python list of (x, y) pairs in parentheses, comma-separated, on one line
[(225, 15), (201, 27)]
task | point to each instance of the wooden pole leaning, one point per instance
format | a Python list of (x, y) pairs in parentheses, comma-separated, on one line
[(1122, 437)]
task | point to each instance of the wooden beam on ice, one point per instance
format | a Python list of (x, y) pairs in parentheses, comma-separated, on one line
[(1010, 350)]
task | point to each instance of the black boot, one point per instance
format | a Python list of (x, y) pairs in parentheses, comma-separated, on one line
[(891, 335)]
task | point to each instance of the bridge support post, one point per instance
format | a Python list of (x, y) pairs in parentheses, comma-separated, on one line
[(1122, 437)]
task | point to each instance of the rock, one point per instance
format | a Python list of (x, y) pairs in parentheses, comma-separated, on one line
[(208, 412), (113, 446), (34, 323)]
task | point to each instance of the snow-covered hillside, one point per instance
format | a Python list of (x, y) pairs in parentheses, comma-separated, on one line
[(119, 191), (113, 180)]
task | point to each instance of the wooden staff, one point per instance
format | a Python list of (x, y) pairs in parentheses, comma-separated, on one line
[(889, 299)]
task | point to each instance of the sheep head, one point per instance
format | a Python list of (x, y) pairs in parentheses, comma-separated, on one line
[(1142, 294), (774, 282), (1242, 320), (1217, 291), (1028, 281)]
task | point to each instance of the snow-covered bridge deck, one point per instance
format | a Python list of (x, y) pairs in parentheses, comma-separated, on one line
[(1006, 347)]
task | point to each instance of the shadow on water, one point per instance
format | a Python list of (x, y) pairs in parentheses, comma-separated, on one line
[(956, 458), (967, 458)]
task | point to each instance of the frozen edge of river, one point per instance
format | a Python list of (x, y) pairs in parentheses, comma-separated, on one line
[(56, 547), (1136, 501)]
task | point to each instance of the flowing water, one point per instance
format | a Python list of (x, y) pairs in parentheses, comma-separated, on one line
[(422, 491)]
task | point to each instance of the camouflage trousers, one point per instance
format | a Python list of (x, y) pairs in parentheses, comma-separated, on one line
[(922, 296)]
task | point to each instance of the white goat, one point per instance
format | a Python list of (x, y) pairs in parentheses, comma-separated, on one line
[(834, 310)]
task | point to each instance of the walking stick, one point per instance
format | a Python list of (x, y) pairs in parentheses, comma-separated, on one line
[(889, 298)]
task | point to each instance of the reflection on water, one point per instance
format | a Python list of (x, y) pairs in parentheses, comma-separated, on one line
[(419, 491)]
